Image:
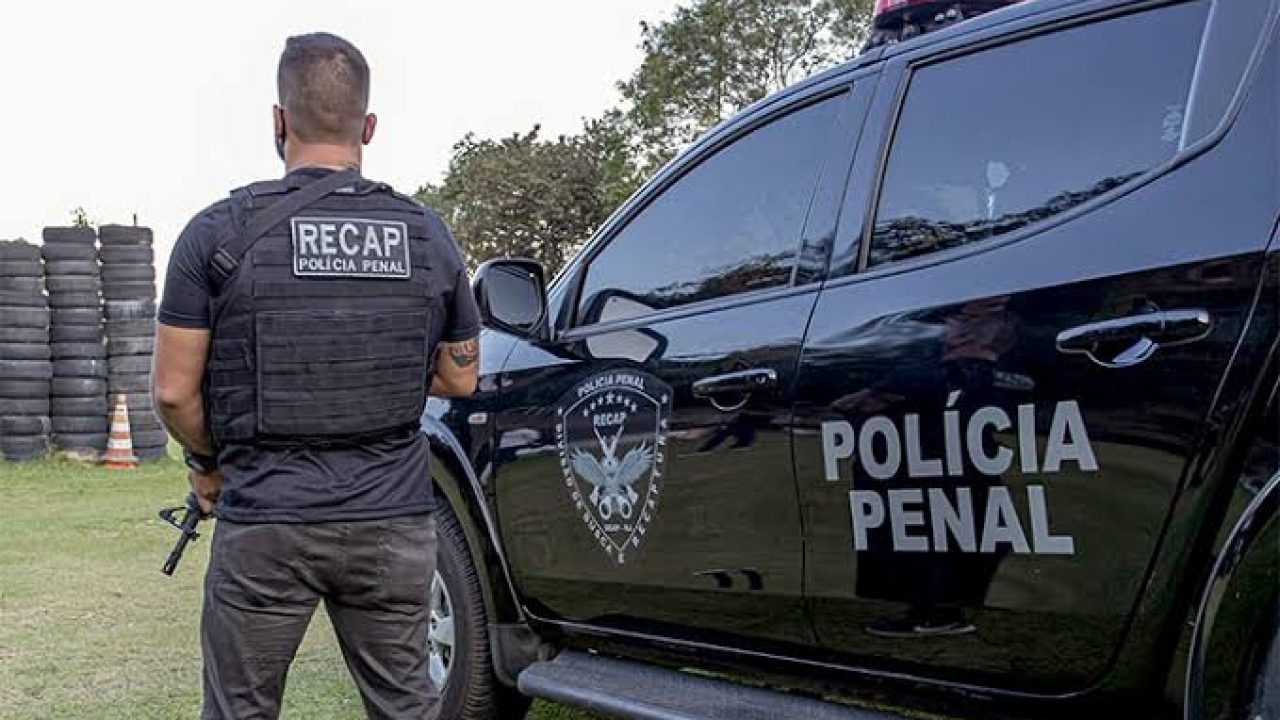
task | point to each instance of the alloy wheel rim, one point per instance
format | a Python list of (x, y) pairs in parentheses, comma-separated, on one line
[(440, 632)]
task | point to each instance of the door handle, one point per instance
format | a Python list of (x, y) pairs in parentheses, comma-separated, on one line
[(740, 382), (1144, 333)]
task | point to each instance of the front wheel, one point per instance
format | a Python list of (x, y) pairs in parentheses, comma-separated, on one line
[(460, 665), (1265, 700)]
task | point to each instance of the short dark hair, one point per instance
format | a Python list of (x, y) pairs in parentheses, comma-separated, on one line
[(323, 82)]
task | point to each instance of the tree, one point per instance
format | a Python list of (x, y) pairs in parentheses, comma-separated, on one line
[(607, 140), (852, 24), (80, 218), (528, 197), (715, 57)]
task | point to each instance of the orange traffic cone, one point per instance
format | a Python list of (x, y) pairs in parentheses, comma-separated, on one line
[(119, 455)]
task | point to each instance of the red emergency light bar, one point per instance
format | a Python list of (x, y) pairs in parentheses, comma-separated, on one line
[(897, 20), (884, 6)]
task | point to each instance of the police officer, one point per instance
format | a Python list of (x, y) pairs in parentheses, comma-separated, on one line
[(303, 324)]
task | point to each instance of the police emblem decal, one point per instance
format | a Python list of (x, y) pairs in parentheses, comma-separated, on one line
[(612, 433)]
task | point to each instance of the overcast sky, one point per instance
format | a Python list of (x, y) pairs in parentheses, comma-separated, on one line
[(160, 108)]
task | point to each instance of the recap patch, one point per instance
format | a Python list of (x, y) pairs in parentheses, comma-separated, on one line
[(350, 248)]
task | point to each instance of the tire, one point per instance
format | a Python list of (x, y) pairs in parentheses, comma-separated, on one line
[(78, 235), (76, 316), (23, 300), (78, 387), (80, 441), (132, 384), (139, 403), (124, 235), (26, 406), (121, 329), (63, 252), (24, 351), (76, 334), (71, 350), (122, 254), (21, 268), (80, 367), (149, 438), (24, 285), (16, 299), (73, 299), (130, 310), (28, 317), (128, 272), (79, 425), (471, 691), (151, 454), (74, 284), (64, 301), (130, 345), (11, 250), (124, 364), (72, 267), (24, 389), (1263, 698), (129, 290), (79, 406), (24, 447), (144, 421), (24, 425), (23, 334), (26, 369)]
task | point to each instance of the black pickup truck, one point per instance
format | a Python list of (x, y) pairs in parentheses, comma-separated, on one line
[(941, 382)]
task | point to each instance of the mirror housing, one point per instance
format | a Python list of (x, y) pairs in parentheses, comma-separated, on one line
[(512, 296)]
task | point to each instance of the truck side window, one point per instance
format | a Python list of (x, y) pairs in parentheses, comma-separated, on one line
[(990, 142), (730, 225)]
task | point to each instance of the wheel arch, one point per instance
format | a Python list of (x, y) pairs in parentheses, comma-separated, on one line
[(455, 479), (513, 645), (1234, 618)]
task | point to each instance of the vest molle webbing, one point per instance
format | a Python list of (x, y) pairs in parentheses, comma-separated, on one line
[(322, 325)]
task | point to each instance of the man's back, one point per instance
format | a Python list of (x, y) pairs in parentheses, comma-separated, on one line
[(303, 324), (325, 311)]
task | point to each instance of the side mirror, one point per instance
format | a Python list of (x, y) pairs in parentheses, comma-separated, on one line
[(512, 296)]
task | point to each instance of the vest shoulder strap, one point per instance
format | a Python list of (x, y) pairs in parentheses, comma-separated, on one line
[(406, 198), (264, 188), (227, 256)]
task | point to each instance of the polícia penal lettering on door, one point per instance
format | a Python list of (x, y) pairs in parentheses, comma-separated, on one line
[(944, 517)]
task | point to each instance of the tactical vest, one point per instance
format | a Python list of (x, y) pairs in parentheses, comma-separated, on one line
[(322, 315)]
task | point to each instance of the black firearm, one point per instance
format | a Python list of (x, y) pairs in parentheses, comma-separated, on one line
[(191, 517)]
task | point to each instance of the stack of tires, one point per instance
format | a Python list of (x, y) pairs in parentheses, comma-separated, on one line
[(25, 369), (129, 291), (79, 389)]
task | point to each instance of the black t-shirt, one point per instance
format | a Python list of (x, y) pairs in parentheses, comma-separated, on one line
[(377, 480)]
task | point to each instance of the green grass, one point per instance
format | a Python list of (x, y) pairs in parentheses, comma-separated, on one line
[(89, 628)]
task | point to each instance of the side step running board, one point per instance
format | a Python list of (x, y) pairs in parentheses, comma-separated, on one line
[(627, 689)]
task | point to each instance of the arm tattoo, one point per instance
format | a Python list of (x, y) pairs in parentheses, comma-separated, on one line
[(465, 353)]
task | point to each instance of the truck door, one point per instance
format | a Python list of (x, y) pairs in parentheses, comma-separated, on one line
[(644, 475), (1041, 279)]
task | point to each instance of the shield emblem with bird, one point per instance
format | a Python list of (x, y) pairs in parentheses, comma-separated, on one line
[(612, 433)]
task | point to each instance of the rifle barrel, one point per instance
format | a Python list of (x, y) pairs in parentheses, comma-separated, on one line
[(190, 519)]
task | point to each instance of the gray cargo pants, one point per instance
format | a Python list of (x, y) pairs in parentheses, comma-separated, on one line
[(263, 584)]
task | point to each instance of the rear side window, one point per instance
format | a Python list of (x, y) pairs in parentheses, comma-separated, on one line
[(730, 225), (991, 142)]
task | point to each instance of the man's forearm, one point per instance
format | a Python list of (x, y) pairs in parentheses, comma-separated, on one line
[(457, 366), (184, 420), (440, 387)]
